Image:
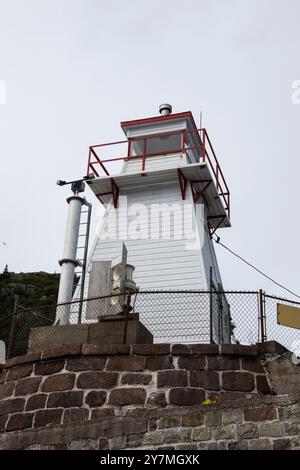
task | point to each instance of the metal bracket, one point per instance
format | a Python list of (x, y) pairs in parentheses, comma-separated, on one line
[(114, 192), (182, 183), (198, 195), (221, 217)]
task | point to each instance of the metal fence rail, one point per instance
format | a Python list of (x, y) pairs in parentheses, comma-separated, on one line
[(182, 316)]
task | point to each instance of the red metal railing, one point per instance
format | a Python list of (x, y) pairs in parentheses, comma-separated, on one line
[(197, 142)]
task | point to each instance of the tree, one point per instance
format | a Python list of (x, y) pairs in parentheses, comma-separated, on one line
[(6, 272)]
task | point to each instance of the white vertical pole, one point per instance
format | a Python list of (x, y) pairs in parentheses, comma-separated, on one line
[(68, 262)]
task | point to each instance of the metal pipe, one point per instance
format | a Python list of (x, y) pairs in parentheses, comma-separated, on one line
[(68, 262), (165, 109)]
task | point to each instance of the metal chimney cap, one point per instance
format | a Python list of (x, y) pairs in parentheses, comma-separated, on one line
[(165, 109)]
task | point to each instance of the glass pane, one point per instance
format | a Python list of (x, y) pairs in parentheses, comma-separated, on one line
[(160, 145)]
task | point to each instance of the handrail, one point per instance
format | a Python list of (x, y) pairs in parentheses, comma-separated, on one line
[(203, 147)]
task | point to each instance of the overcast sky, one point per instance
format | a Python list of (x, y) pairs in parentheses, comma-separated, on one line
[(75, 68)]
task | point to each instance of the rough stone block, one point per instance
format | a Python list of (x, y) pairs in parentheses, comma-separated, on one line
[(159, 363), (101, 413), (86, 363), (16, 405), (224, 432), (252, 365), (172, 378), (281, 444), (118, 442), (262, 385), (177, 436), (105, 349), (75, 415), (154, 438), (151, 349), (3, 421), (186, 349), (19, 421), (36, 402), (47, 417), (65, 399), (232, 416), (239, 350), (127, 396), (192, 420), (96, 398), (136, 379), (260, 444), (239, 381), (201, 434), (6, 390), (208, 380), (157, 398), (58, 382), (48, 367), (192, 362), (27, 386), (247, 431), (61, 351), (186, 396), (19, 372), (168, 422), (223, 363), (274, 429), (17, 360), (88, 380), (213, 418), (237, 445), (126, 363), (260, 413)]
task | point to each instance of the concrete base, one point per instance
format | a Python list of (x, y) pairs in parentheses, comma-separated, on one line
[(108, 331)]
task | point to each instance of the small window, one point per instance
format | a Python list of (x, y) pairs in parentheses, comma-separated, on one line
[(156, 145)]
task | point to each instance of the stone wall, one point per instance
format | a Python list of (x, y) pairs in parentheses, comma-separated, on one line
[(146, 396)]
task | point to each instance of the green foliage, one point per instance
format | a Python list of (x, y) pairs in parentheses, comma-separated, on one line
[(33, 290)]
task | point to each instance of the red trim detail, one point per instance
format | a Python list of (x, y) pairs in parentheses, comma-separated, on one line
[(169, 117)]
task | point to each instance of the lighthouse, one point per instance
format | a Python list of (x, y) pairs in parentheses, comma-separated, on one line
[(164, 195)]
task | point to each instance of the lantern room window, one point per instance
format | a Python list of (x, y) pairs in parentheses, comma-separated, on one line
[(158, 145)]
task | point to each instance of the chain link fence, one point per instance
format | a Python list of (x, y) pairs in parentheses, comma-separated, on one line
[(171, 316)]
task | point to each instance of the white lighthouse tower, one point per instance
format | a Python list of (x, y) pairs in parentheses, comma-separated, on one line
[(164, 195)]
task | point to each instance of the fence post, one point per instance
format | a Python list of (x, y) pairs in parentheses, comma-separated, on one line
[(211, 307), (13, 328), (262, 316)]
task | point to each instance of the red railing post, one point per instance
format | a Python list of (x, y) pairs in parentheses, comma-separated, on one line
[(203, 144), (129, 149), (144, 155)]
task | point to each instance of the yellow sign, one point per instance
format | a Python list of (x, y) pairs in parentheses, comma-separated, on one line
[(288, 316)]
